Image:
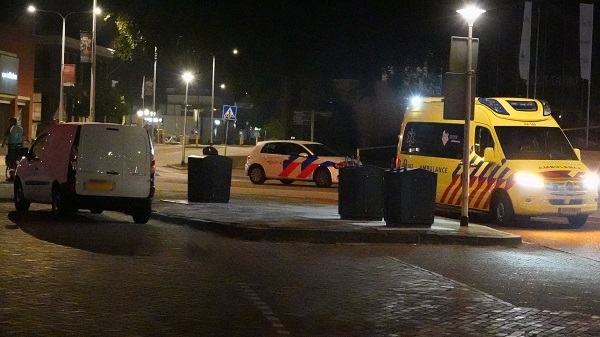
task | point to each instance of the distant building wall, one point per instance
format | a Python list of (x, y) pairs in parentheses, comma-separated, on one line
[(17, 42)]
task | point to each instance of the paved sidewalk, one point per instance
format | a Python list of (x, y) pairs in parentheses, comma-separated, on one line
[(273, 220)]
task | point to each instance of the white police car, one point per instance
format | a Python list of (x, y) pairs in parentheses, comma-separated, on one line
[(289, 160)]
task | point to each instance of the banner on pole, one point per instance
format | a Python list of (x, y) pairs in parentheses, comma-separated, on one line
[(586, 29), (524, 52), (147, 86), (69, 75), (85, 47)]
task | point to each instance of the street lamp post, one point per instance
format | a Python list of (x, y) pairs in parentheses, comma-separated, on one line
[(470, 13), (212, 97), (93, 67), (61, 105), (187, 77), (212, 102)]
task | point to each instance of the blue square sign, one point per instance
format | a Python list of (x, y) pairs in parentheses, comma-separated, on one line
[(229, 112)]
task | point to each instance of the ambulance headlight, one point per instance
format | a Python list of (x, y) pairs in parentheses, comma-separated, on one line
[(416, 102), (591, 181), (529, 180)]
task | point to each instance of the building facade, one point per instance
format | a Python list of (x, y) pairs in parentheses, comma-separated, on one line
[(47, 75), (17, 60)]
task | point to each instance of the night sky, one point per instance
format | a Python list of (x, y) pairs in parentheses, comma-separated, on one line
[(340, 39)]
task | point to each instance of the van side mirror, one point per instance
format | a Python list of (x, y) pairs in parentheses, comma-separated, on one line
[(578, 153), (490, 156)]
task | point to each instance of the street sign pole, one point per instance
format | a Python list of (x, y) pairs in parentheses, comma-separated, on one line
[(226, 132), (229, 113)]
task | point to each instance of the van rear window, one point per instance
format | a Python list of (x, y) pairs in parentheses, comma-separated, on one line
[(442, 140)]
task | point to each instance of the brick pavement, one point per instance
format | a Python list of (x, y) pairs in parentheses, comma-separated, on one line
[(174, 289), (383, 296)]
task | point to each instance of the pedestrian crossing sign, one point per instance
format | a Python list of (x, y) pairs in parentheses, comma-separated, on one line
[(229, 112)]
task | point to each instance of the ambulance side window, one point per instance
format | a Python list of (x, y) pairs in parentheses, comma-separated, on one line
[(483, 139), (442, 140)]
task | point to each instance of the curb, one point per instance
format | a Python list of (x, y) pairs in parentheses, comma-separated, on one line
[(282, 234)]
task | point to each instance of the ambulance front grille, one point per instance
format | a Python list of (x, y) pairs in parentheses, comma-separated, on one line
[(566, 188), (562, 202)]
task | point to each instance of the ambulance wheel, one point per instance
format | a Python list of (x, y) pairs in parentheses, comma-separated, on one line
[(286, 181), (501, 210), (257, 175), (322, 177), (578, 220)]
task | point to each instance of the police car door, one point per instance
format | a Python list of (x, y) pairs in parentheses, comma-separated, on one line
[(292, 164)]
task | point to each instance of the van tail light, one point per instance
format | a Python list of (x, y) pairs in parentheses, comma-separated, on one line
[(72, 170), (248, 157), (152, 175)]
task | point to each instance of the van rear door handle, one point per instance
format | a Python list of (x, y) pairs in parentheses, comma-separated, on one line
[(112, 172)]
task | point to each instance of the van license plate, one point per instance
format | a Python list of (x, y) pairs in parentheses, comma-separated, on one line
[(99, 185), (569, 211)]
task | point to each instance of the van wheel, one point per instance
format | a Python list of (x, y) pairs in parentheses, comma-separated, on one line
[(578, 220), (21, 204), (322, 177), (142, 213), (501, 210), (286, 181), (60, 205), (96, 210), (257, 175), (141, 217)]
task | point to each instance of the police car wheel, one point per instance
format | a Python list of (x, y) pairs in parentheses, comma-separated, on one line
[(286, 181), (501, 210), (322, 178), (257, 175)]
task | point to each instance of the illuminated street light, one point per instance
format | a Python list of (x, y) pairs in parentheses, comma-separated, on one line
[(470, 13), (93, 67), (61, 105), (187, 77), (212, 97)]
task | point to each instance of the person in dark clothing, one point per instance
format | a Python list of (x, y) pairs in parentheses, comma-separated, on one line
[(13, 138)]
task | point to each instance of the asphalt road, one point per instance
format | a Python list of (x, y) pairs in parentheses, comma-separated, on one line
[(103, 275)]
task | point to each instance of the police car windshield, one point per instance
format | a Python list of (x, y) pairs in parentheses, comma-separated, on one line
[(534, 143), (321, 150)]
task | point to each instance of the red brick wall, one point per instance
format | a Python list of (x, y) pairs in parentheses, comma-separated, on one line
[(19, 40)]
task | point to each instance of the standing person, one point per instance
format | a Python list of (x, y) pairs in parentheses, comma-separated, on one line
[(13, 137)]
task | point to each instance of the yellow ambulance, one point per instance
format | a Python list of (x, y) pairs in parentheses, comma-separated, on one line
[(521, 164)]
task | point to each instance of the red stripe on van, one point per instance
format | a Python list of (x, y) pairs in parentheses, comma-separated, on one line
[(448, 188), (488, 186), (480, 181), (455, 192)]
